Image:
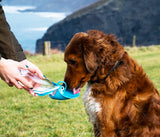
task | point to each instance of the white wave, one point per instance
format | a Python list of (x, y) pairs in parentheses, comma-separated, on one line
[(15, 9), (51, 14), (36, 29)]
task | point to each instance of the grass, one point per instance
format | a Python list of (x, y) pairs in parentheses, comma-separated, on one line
[(22, 115), (149, 58)]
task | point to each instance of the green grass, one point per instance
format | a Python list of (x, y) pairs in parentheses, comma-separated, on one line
[(22, 115), (149, 58)]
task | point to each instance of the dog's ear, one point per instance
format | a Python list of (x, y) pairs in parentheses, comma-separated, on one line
[(90, 61), (88, 55)]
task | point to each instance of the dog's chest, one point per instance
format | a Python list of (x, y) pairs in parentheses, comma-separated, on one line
[(91, 105)]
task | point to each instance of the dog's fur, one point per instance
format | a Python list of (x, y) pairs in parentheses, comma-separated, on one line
[(120, 103)]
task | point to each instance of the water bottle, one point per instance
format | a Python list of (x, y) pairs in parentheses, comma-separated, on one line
[(40, 86), (44, 87)]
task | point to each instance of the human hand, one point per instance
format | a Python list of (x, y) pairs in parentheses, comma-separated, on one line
[(9, 72)]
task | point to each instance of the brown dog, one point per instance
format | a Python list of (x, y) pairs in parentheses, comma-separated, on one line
[(120, 99)]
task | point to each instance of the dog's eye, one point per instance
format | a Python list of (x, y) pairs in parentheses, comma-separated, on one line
[(72, 62)]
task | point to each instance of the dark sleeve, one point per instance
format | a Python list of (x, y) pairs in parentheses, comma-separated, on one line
[(9, 46)]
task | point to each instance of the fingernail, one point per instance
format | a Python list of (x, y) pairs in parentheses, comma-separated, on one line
[(26, 66)]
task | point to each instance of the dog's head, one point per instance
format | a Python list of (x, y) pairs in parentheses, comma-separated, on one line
[(85, 53)]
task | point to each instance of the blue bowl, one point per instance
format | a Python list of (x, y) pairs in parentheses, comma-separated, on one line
[(62, 93)]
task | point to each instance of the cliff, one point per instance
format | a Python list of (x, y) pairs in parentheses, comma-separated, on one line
[(124, 18)]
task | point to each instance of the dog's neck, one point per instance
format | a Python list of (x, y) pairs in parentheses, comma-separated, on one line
[(101, 77), (107, 74)]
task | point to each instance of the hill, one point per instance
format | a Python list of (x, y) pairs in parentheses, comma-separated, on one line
[(123, 18)]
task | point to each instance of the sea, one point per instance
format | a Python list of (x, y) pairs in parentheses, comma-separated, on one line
[(30, 26)]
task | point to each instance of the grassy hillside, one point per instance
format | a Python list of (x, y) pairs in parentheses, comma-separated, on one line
[(22, 115)]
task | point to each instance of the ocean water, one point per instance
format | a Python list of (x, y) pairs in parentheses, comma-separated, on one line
[(30, 26)]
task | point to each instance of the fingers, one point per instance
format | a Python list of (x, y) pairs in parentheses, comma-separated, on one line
[(24, 82), (19, 85), (30, 91), (16, 84), (10, 84), (37, 71), (13, 82), (18, 81), (32, 68)]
